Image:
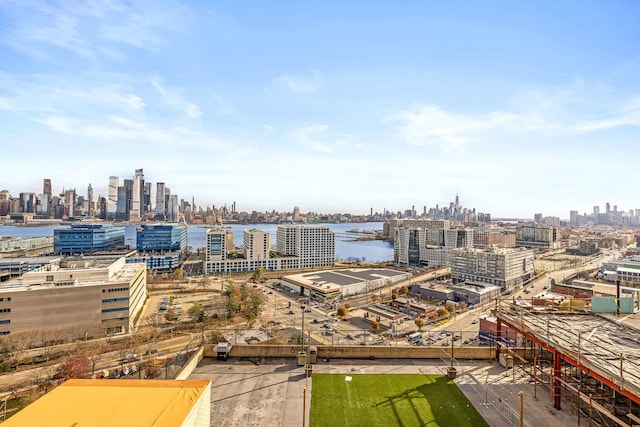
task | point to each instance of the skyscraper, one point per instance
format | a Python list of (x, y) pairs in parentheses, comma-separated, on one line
[(146, 198), (573, 217), (112, 197), (128, 186), (137, 191), (173, 208), (121, 207), (160, 203), (90, 199), (46, 186)]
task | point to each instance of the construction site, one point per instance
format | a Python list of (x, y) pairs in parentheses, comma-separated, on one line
[(581, 362)]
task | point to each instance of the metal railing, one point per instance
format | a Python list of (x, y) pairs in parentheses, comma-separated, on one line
[(492, 400)]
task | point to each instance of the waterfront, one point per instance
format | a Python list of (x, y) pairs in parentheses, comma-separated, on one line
[(347, 248)]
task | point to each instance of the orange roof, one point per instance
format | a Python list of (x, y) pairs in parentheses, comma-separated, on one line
[(120, 402)]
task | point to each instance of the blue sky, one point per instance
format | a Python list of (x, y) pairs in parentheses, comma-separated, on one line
[(330, 106)]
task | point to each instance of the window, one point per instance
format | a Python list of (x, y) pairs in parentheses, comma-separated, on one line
[(108, 300), (5, 322), (111, 310)]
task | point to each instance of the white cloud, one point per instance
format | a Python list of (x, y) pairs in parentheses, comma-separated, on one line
[(317, 137), (174, 99), (430, 125), (90, 30), (579, 109), (301, 84)]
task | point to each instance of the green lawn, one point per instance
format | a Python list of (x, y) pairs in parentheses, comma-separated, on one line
[(389, 400)]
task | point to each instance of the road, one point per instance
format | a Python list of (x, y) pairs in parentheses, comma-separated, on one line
[(20, 380)]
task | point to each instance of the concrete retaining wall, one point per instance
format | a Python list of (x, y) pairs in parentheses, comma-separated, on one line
[(360, 352), (191, 365)]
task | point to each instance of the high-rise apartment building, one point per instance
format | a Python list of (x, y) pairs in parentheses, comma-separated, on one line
[(314, 246), (297, 246), (506, 268), (429, 224), (484, 237), (256, 244), (219, 241), (536, 236), (415, 246)]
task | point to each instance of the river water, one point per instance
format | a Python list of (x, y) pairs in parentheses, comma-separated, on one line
[(346, 246)]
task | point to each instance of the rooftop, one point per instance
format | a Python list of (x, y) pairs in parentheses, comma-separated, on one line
[(114, 403), (338, 278)]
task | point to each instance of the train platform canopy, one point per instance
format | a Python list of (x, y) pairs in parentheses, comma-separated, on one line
[(599, 345), (155, 403)]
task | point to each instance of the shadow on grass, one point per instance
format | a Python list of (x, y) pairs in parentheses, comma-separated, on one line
[(376, 400), (446, 404)]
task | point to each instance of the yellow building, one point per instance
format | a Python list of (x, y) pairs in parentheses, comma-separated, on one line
[(97, 403)]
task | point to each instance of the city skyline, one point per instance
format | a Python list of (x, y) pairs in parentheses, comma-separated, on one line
[(333, 107)]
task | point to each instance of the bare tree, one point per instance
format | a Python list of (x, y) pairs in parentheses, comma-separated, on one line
[(17, 345), (48, 339), (95, 353), (75, 366)]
